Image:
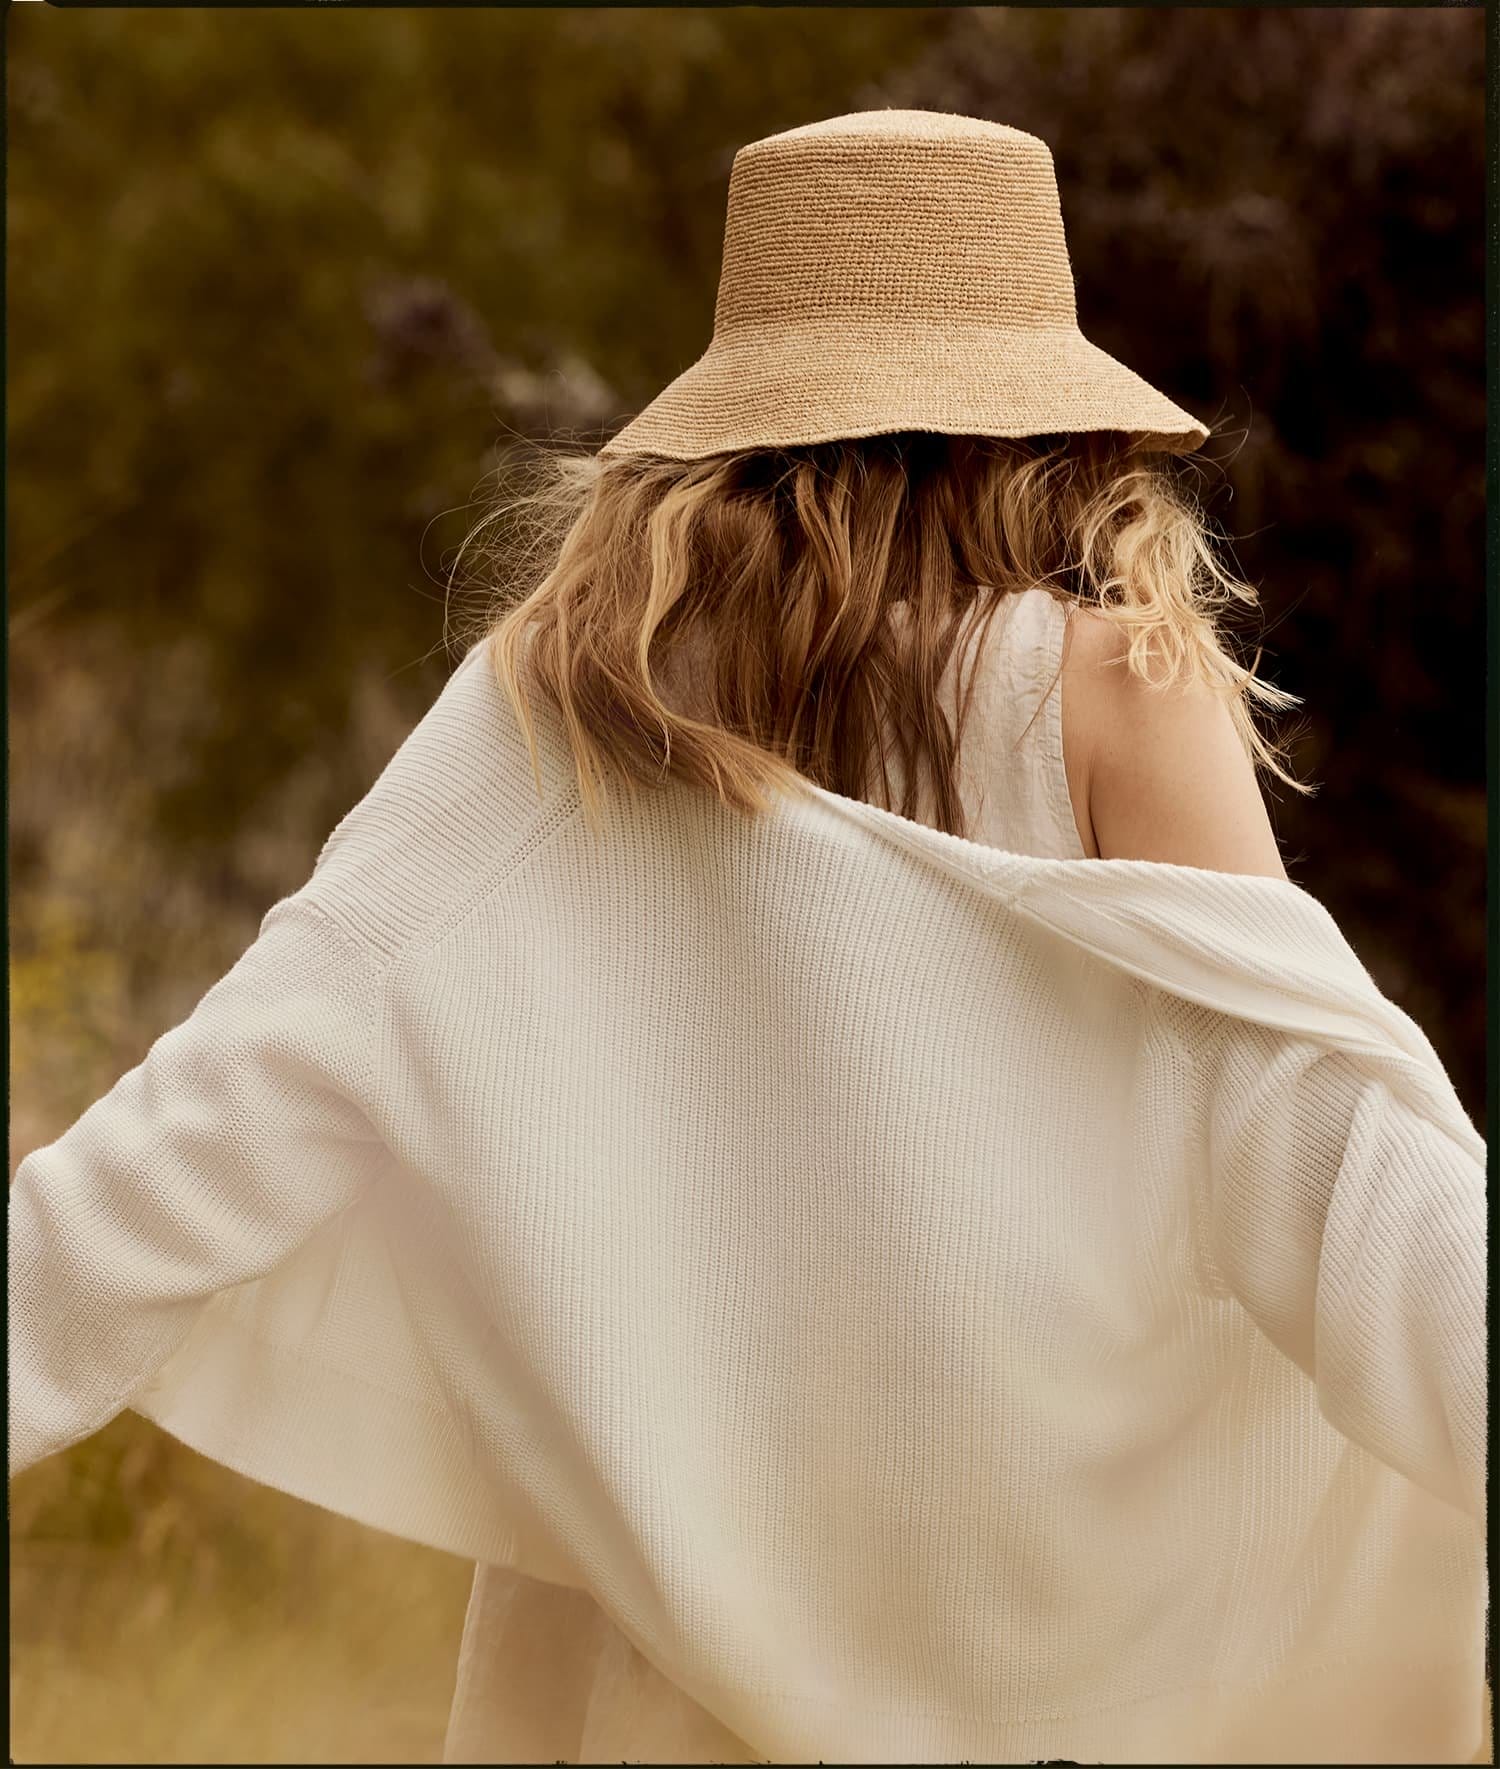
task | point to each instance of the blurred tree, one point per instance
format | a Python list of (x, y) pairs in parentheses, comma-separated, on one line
[(253, 360), (1301, 260)]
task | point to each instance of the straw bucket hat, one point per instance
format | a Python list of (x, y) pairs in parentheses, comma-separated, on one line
[(896, 270)]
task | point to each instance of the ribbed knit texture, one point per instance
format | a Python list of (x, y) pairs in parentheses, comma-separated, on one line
[(896, 270), (544, 1674), (920, 1300)]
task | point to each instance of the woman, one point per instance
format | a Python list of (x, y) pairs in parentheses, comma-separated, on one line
[(801, 1124)]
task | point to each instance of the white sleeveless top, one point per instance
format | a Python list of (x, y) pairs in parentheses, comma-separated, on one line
[(1011, 777), (544, 1675)]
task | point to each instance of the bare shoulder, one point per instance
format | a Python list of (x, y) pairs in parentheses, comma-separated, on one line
[(1156, 773)]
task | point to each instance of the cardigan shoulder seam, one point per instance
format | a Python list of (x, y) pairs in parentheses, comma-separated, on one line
[(374, 974), (508, 866)]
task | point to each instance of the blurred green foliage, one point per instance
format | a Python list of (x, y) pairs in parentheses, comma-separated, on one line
[(1278, 215), (283, 285), (280, 279)]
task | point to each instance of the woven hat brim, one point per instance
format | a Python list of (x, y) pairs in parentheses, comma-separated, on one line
[(797, 387)]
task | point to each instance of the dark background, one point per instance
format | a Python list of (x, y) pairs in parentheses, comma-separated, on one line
[(281, 286)]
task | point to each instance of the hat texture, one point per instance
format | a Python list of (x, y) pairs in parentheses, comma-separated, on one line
[(896, 270)]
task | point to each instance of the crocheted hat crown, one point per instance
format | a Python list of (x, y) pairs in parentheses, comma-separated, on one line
[(896, 270)]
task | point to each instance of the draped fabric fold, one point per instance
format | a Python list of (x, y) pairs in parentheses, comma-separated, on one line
[(858, 1295)]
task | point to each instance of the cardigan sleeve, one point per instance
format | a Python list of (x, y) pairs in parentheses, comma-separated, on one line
[(1350, 1221), (242, 1131)]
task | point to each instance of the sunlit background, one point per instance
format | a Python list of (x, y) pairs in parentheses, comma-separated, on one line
[(282, 287)]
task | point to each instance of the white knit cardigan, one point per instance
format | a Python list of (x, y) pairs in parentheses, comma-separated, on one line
[(939, 1302)]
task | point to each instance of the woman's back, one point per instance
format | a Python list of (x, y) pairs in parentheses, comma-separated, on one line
[(537, 1656), (793, 1235), (545, 1672)]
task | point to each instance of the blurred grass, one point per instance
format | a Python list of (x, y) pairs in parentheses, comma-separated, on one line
[(164, 1610)]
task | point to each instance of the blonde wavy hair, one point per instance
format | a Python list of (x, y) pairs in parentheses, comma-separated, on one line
[(780, 570)]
